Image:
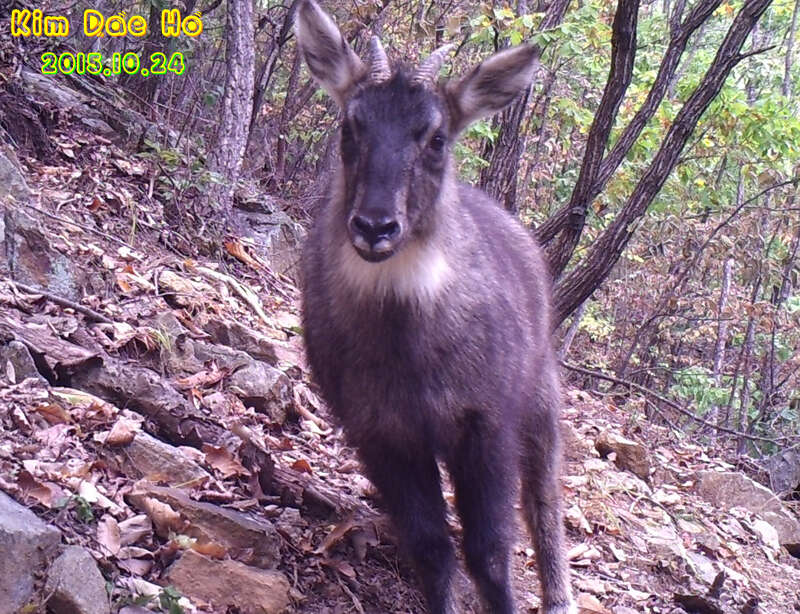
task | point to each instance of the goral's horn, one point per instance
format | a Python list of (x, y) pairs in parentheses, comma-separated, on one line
[(379, 70), (429, 69)]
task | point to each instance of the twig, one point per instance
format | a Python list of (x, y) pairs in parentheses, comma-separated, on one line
[(742, 56), (82, 227), (356, 603), (308, 415), (246, 293), (58, 300), (669, 403)]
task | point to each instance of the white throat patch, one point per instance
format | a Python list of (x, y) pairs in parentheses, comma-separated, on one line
[(417, 273)]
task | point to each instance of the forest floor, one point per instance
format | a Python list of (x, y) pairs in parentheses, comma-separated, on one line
[(172, 375)]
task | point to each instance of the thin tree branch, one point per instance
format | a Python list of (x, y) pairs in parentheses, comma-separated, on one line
[(623, 54), (91, 314), (758, 51), (668, 402), (579, 283), (679, 38)]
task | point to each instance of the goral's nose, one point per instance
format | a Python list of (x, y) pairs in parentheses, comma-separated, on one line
[(375, 229)]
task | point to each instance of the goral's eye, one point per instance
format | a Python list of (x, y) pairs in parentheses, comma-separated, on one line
[(437, 142), (349, 145)]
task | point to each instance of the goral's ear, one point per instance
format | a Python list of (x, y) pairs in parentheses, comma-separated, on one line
[(491, 85), (330, 59)]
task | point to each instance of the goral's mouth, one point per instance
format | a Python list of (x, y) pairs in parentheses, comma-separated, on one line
[(371, 255), (377, 252)]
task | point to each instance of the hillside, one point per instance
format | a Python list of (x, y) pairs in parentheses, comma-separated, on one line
[(157, 412)]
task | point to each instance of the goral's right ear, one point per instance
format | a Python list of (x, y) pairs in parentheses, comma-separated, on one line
[(332, 62), (492, 85)]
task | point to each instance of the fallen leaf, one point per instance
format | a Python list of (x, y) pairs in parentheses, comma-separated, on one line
[(343, 567), (136, 567), (221, 459), (202, 379), (302, 466), (237, 250), (122, 433), (164, 518), (53, 413), (45, 493), (335, 536), (588, 604), (89, 491), (214, 550), (108, 534), (135, 528)]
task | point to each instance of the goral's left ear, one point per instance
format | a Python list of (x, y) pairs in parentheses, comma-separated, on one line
[(332, 62), (491, 85)]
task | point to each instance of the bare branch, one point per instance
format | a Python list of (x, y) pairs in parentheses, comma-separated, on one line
[(623, 53), (679, 39), (668, 402), (580, 282)]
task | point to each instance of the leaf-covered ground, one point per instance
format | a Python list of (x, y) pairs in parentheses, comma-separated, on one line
[(173, 380)]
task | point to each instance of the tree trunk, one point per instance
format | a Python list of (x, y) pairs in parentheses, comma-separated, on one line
[(747, 352), (767, 385), (722, 333), (787, 66), (623, 54), (579, 283), (571, 331), (680, 33), (499, 179), (237, 104)]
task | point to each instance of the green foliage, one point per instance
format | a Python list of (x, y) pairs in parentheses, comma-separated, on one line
[(696, 386), (465, 150), (169, 599), (79, 506), (595, 324)]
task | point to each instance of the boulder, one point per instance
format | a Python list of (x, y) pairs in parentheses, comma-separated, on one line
[(29, 258), (277, 238), (629, 455), (75, 585), (728, 489), (236, 335), (229, 584), (152, 459), (26, 544), (12, 181), (252, 541), (784, 471), (263, 387), (17, 355)]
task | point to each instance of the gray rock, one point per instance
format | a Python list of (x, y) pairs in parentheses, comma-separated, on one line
[(152, 459), (277, 238), (730, 489), (30, 259), (12, 181), (185, 355), (265, 388), (75, 585), (252, 541), (236, 335), (97, 125), (168, 323), (630, 455), (784, 471), (21, 361), (26, 544), (104, 112)]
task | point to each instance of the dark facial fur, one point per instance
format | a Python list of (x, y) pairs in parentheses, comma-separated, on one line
[(435, 346), (395, 147)]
